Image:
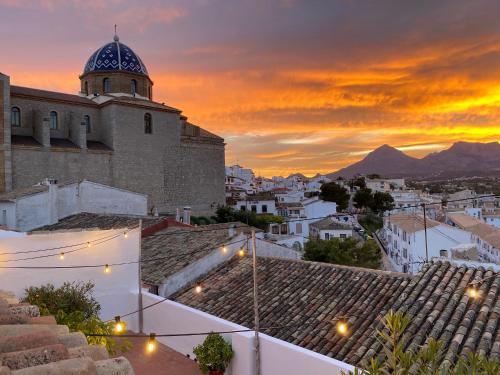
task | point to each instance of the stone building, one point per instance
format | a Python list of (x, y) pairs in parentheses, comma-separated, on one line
[(113, 133)]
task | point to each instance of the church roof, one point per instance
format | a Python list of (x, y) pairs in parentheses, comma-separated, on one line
[(50, 95), (115, 56)]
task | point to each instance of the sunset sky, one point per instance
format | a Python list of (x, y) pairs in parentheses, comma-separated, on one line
[(293, 86)]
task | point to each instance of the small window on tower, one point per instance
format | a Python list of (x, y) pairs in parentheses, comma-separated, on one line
[(15, 116), (133, 87), (106, 85), (148, 124), (86, 88)]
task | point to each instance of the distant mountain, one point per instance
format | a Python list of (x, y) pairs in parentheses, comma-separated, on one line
[(461, 159)]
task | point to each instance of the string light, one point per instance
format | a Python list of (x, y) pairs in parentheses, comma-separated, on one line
[(107, 269), (473, 292), (241, 252), (224, 249), (342, 327), (89, 244), (151, 345), (125, 234), (61, 256), (119, 326), (198, 289)]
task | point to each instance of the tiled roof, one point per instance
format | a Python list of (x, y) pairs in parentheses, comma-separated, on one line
[(34, 344), (329, 224), (463, 221), (59, 96), (306, 298), (172, 243), (412, 223), (482, 230), (23, 192), (87, 220)]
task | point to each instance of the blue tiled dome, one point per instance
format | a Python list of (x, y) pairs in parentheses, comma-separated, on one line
[(115, 56)]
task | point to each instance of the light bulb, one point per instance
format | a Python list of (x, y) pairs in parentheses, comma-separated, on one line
[(198, 289), (61, 256), (342, 327), (89, 244), (119, 326), (473, 292), (125, 234), (224, 249), (107, 269), (151, 345), (241, 252)]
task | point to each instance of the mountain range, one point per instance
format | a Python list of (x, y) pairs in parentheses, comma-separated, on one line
[(461, 159)]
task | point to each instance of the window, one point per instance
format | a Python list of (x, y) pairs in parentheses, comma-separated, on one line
[(86, 88), (148, 124), (53, 120), (264, 208), (254, 208), (15, 116), (405, 253), (404, 235), (443, 253), (133, 87), (106, 85), (284, 228), (298, 228), (149, 93), (86, 121), (243, 208), (343, 235), (327, 236), (275, 229)]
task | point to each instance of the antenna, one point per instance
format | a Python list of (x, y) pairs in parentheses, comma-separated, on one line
[(115, 38)]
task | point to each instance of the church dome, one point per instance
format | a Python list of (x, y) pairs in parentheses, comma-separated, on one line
[(115, 56)]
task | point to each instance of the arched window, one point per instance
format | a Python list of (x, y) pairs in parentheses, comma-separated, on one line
[(148, 124), (15, 116), (133, 87), (149, 93), (106, 85), (53, 120), (86, 120), (86, 88)]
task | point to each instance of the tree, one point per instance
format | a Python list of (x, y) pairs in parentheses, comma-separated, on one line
[(347, 251), (382, 202), (226, 214), (359, 182), (333, 192), (424, 360), (363, 198), (371, 222)]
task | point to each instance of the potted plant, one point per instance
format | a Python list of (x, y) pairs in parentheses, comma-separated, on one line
[(214, 354)]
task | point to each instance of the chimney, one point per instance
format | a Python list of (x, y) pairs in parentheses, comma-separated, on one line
[(177, 215), (186, 217)]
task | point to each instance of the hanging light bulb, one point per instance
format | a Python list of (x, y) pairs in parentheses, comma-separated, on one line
[(89, 244), (224, 249), (151, 345), (472, 292), (107, 269), (125, 234), (119, 326), (198, 289), (241, 252), (342, 327), (61, 256)]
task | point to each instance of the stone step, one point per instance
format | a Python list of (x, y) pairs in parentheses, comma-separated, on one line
[(27, 341), (73, 366), (14, 330), (114, 366), (73, 339), (48, 319), (26, 309), (96, 352), (9, 318), (34, 357)]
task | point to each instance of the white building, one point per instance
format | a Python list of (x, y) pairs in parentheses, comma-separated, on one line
[(260, 204), (404, 236), (290, 197), (329, 228), (239, 177), (45, 204)]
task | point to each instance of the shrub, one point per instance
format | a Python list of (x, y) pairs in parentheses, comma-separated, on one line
[(214, 354)]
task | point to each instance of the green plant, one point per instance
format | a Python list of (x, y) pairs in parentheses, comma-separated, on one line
[(333, 192), (73, 305), (214, 354), (424, 361)]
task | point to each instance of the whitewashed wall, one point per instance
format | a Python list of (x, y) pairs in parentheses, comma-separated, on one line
[(111, 290), (277, 357)]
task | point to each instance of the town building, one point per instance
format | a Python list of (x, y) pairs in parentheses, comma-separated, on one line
[(329, 228), (259, 203), (113, 133), (404, 238)]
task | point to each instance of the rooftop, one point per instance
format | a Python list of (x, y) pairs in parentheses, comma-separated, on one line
[(306, 298), (194, 243), (412, 223), (329, 224), (477, 227)]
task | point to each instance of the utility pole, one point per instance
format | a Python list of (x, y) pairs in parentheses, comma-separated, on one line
[(425, 234), (255, 306), (139, 302)]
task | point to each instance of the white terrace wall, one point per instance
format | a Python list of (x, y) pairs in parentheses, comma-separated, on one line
[(111, 290), (277, 357)]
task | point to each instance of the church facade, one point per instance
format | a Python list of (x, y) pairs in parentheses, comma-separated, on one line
[(112, 132)]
